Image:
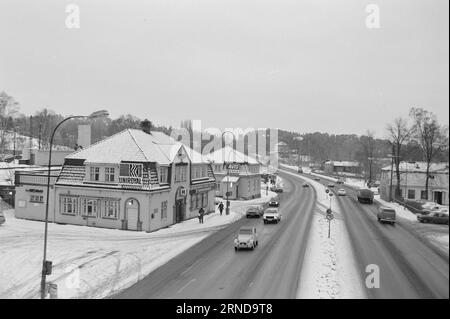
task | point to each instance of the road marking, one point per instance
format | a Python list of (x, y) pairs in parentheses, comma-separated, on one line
[(182, 288), (192, 266)]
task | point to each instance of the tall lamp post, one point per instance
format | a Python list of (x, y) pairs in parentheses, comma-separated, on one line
[(47, 265), (227, 208)]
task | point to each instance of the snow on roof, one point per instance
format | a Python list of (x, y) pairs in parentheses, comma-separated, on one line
[(420, 167), (229, 154), (132, 145)]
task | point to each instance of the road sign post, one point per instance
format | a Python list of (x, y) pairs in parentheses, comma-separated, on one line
[(330, 217)]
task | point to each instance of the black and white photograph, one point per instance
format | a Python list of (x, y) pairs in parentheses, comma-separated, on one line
[(224, 155)]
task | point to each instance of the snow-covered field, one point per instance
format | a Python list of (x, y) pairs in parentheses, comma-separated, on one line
[(93, 262), (329, 270)]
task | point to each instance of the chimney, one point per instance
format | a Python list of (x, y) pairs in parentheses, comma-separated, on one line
[(146, 126)]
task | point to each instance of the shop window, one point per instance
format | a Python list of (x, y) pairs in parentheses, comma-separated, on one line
[(111, 209), (89, 207), (69, 205), (37, 199)]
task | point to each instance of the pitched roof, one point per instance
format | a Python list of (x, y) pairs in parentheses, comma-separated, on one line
[(420, 167), (132, 145), (229, 154)]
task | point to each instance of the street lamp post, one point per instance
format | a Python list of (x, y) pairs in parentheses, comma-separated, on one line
[(46, 265), (227, 208)]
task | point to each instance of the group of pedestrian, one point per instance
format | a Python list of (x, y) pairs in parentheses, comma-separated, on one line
[(201, 212)]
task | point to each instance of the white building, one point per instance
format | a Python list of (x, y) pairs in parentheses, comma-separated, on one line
[(134, 180), (236, 173), (412, 182)]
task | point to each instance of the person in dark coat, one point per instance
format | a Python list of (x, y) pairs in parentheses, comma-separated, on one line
[(201, 213), (221, 208)]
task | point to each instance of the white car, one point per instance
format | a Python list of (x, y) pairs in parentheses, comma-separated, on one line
[(341, 192), (246, 238), (271, 215)]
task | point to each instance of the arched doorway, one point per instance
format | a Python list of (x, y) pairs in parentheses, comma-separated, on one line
[(132, 214), (180, 205)]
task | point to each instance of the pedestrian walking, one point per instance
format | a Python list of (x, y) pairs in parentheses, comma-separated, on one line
[(221, 208), (201, 213)]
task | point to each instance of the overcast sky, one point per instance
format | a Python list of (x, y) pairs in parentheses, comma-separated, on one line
[(305, 65)]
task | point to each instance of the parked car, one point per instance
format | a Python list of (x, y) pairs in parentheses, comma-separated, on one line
[(272, 215), (2, 218), (254, 211), (274, 203), (386, 214), (341, 192), (365, 196), (330, 185), (246, 238), (305, 185), (340, 181), (419, 207), (433, 217)]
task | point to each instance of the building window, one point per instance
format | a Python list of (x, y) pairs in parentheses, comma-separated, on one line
[(164, 210), (411, 194), (69, 205), (95, 173), (218, 186), (111, 209), (423, 195), (36, 199), (110, 173), (204, 199), (180, 173), (163, 175), (89, 207)]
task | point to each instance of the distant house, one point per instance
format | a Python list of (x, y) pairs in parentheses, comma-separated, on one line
[(133, 180), (342, 167), (412, 182), (282, 149), (236, 173)]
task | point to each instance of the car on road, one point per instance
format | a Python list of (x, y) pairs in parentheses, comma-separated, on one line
[(340, 181), (330, 185), (2, 218), (386, 215), (433, 218), (305, 185), (276, 189), (246, 238), (317, 179), (274, 203), (272, 215), (341, 192), (300, 170), (365, 196), (254, 211)]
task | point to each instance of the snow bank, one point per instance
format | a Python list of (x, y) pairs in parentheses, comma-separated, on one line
[(329, 269)]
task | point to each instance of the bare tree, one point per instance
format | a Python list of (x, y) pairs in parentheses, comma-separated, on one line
[(430, 135), (8, 108), (399, 133)]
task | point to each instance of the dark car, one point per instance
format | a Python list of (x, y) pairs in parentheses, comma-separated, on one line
[(330, 184), (276, 189), (305, 185), (317, 179), (433, 218), (274, 203), (365, 196), (340, 181), (254, 211)]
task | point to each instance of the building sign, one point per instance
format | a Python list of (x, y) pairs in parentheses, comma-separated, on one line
[(130, 180), (234, 169)]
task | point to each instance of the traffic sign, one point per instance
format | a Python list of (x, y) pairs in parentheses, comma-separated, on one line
[(330, 216)]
